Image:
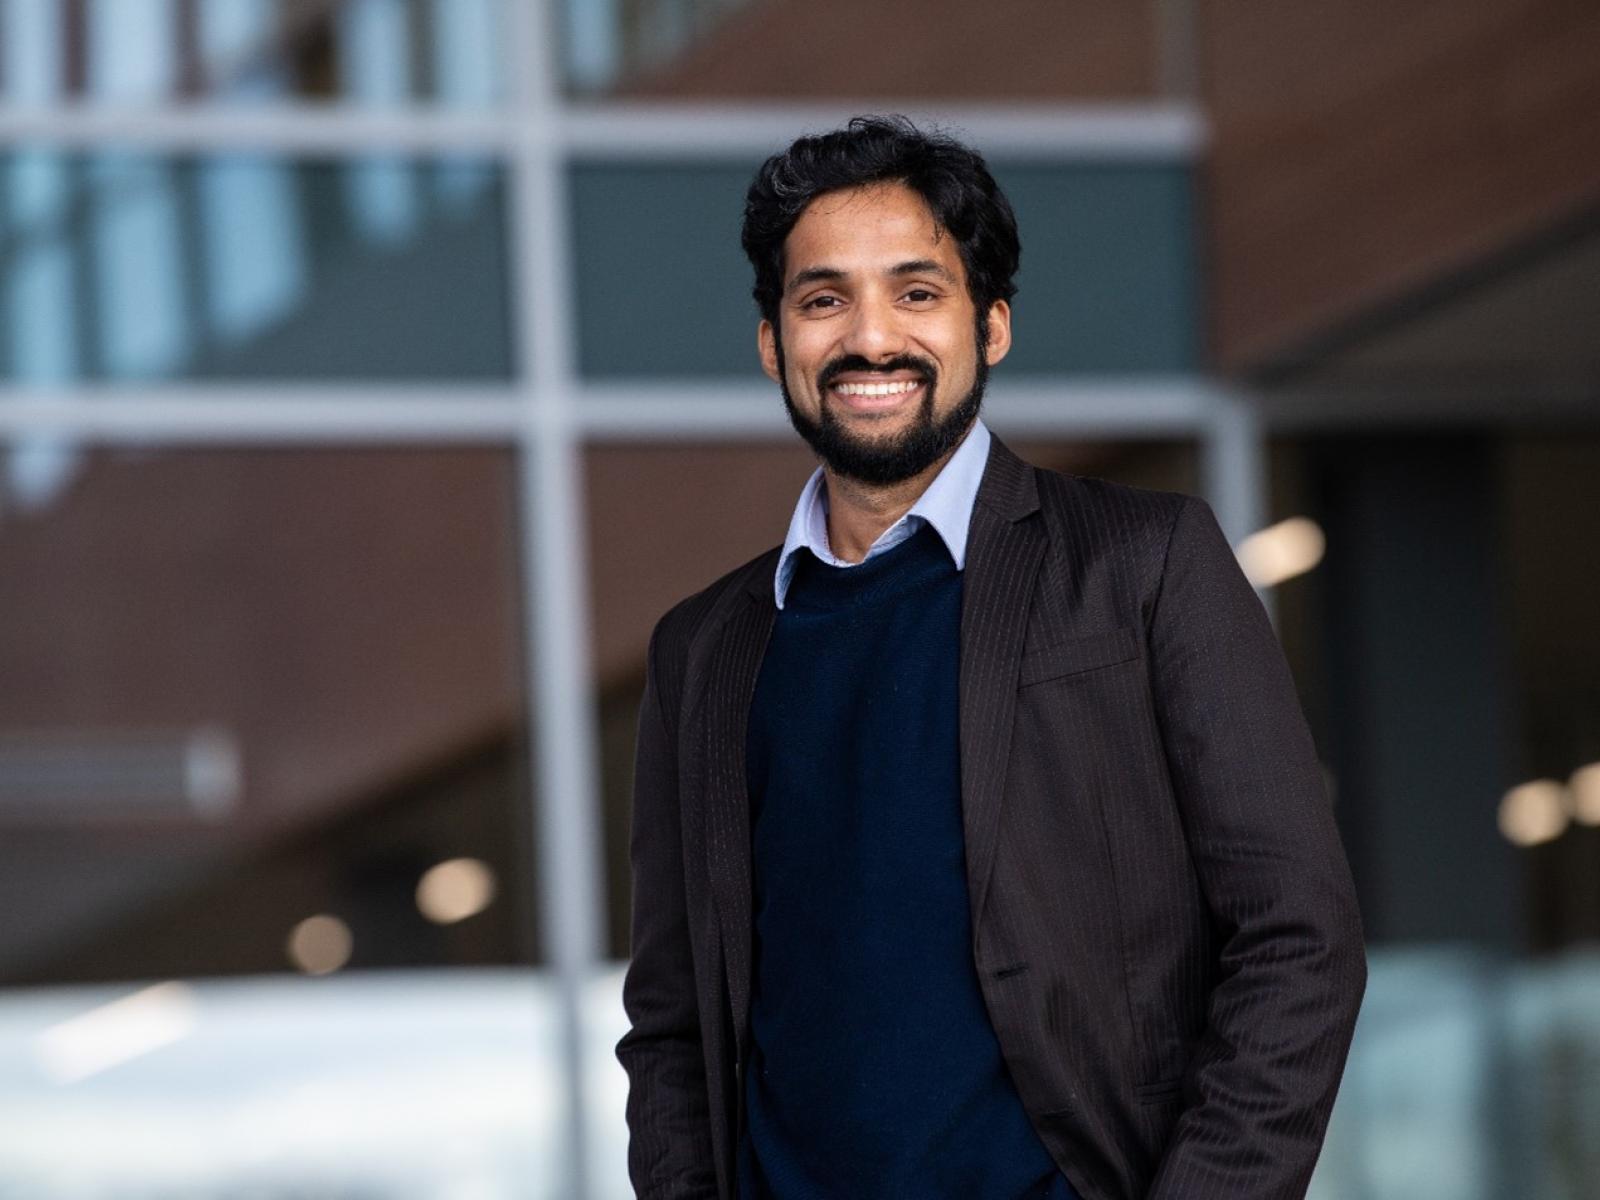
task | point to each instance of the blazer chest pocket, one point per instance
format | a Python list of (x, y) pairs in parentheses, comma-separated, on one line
[(1085, 653), (1159, 1093)]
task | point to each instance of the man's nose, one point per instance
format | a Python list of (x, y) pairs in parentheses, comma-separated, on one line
[(875, 332)]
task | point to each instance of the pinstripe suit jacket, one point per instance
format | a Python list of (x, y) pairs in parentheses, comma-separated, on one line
[(1164, 926)]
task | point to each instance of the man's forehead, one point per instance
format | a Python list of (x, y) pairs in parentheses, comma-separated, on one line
[(877, 222)]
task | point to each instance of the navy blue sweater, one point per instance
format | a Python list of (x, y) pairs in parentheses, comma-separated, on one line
[(875, 1072)]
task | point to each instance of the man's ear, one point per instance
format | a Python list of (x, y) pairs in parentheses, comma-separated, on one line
[(999, 322), (767, 344)]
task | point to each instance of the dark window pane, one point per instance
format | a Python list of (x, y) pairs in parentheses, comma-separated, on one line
[(1107, 282), (243, 688)]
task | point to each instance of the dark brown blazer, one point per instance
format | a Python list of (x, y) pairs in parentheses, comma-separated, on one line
[(1164, 925)]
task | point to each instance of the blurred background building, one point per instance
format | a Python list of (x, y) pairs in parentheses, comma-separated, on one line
[(373, 373)]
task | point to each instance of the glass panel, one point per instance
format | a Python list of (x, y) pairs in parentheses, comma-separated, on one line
[(129, 267), (252, 52), (1453, 651), (241, 690), (718, 49), (1553, 587), (1108, 281), (402, 1085), (1471, 1077), (615, 44)]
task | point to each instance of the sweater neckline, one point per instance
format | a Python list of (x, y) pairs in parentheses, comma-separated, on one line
[(909, 564)]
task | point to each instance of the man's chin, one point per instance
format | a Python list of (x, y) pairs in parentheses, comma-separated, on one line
[(874, 434), (880, 450), (880, 461)]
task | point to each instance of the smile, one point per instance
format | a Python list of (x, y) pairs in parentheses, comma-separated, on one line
[(895, 388)]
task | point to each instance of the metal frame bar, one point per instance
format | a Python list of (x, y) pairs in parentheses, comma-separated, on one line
[(1159, 130), (505, 413), (1073, 406), (190, 412), (1233, 473), (561, 719)]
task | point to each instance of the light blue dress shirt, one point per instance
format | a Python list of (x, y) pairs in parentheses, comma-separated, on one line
[(946, 505)]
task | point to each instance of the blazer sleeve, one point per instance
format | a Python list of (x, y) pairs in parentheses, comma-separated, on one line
[(669, 1149), (1291, 968)]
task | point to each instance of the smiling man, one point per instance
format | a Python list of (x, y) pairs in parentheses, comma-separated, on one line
[(980, 847)]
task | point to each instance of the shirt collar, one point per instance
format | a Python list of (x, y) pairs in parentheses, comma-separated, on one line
[(946, 504)]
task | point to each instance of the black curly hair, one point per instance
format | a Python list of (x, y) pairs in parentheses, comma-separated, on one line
[(951, 177)]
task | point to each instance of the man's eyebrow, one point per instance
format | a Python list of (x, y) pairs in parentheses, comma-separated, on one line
[(922, 266), (814, 275), (915, 266)]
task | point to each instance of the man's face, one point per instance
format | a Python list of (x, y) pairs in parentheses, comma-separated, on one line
[(882, 357)]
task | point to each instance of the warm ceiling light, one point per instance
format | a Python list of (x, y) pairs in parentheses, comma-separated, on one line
[(1583, 794), (1282, 551), (320, 945), (1534, 812), (455, 890), (114, 1033)]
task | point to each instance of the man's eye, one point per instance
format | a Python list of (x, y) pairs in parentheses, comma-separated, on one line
[(821, 302), (918, 295)]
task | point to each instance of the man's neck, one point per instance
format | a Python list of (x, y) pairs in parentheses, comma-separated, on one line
[(859, 512)]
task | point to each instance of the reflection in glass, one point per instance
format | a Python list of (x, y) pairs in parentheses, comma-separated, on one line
[(39, 307), (402, 1085), (255, 245), (121, 266), (137, 245), (152, 52), (611, 42), (376, 71), (38, 187), (465, 35), (241, 688), (30, 51), (43, 350), (131, 50)]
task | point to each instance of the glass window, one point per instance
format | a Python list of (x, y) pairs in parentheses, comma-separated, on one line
[(380, 53), (125, 267), (1108, 280), (241, 690), (705, 49), (406, 1085)]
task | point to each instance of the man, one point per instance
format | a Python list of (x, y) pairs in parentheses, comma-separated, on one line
[(980, 847)]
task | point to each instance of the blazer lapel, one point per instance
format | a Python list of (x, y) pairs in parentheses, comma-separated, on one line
[(733, 663), (1004, 550)]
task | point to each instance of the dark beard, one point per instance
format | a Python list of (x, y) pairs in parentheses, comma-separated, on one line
[(909, 453)]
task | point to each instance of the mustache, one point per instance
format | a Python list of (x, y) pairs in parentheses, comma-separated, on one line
[(854, 362)]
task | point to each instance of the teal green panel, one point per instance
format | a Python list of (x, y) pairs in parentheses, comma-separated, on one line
[(1107, 282), (663, 288), (136, 267)]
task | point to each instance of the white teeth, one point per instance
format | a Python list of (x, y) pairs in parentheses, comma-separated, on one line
[(875, 389)]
